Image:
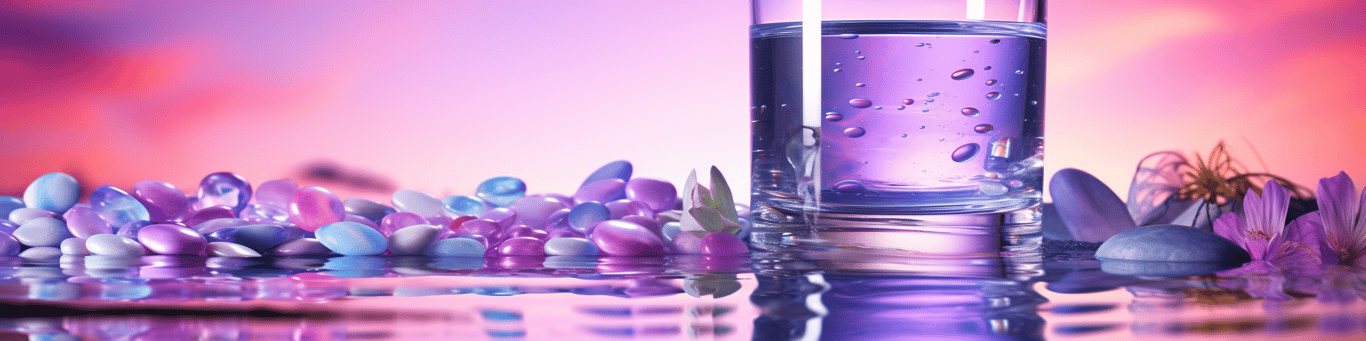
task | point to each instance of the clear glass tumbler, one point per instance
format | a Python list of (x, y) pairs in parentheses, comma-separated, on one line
[(908, 127)]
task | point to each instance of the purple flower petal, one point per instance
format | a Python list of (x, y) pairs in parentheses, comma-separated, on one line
[(1338, 208), (1297, 248), (1231, 227), (1275, 203), (1256, 267)]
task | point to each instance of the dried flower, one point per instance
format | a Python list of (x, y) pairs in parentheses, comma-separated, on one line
[(1220, 178)]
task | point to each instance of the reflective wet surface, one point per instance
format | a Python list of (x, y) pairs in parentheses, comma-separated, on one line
[(1065, 295)]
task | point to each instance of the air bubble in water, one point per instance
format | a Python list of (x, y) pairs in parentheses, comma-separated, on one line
[(925, 110), (932, 94), (861, 57), (991, 82), (929, 100), (919, 44), (833, 116), (877, 107), (922, 127), (993, 95), (848, 186), (904, 135), (836, 70), (965, 152), (838, 64), (859, 84), (993, 188), (987, 68), (863, 103), (1033, 102), (970, 112), (1019, 72), (907, 101), (854, 132), (983, 128), (993, 41), (848, 36), (900, 107), (962, 74)]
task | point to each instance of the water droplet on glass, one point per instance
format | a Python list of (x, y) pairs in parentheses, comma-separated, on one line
[(932, 94), (970, 112), (993, 188), (900, 107), (836, 70), (863, 103), (857, 52), (919, 44), (1019, 72), (993, 41), (962, 74), (861, 57), (853, 132), (965, 152), (859, 84), (907, 101), (986, 68), (993, 95), (929, 100), (904, 135), (925, 110), (983, 128), (991, 82), (877, 107), (848, 36), (922, 127), (976, 51), (849, 186), (833, 116)]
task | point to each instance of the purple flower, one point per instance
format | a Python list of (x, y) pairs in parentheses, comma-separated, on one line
[(1344, 222), (1261, 230)]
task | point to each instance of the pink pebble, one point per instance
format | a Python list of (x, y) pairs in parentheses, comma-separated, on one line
[(659, 195), (503, 216), (170, 239), (276, 192), (722, 244), (687, 243), (525, 231), (621, 238), (522, 246), (313, 207), (625, 207), (482, 227), (207, 214), (398, 220), (83, 222), (647, 223), (164, 201)]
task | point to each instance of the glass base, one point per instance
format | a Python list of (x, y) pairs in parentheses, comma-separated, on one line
[(997, 244)]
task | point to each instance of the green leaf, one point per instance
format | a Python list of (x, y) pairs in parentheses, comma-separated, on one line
[(722, 199), (709, 218)]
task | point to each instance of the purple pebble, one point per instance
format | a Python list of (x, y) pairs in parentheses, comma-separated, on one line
[(627, 207), (276, 192), (564, 233), (131, 229), (659, 195), (525, 231), (9, 246), (647, 223), (522, 246), (224, 189), (687, 243), (621, 238), (395, 221), (83, 222), (362, 220), (534, 210), (722, 244), (502, 215), (482, 227), (164, 201), (218, 224), (556, 221), (170, 239), (602, 191), (313, 207), (207, 214), (565, 200)]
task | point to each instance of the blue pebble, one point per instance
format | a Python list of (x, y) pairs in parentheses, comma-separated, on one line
[(586, 214), (456, 247), (368, 209), (356, 266), (1089, 209), (53, 192), (620, 169), (9, 204), (130, 230), (351, 239), (1172, 243), (671, 229), (465, 205), (9, 246), (260, 238), (45, 231), (224, 189), (570, 247), (116, 206), (7, 226), (501, 191)]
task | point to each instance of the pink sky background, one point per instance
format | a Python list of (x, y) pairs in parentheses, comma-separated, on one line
[(438, 96)]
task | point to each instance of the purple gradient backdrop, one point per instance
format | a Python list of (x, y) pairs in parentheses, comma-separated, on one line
[(438, 96)]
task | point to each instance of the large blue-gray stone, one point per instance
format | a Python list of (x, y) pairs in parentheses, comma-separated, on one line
[(1089, 209), (1171, 243)]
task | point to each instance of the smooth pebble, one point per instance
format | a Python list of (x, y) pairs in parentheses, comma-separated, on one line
[(300, 247), (423, 204), (9, 204), (53, 192), (116, 206), (9, 245), (83, 222), (570, 247), (44, 231), (41, 252), (113, 245), (227, 249), (23, 215), (620, 238), (501, 191), (465, 205), (276, 192), (521, 246), (218, 224), (413, 240), (534, 210), (480, 227), (502, 215), (258, 214), (224, 189), (686, 243), (312, 207), (131, 229), (584, 216), (368, 209), (603, 191), (620, 169), (627, 207), (1088, 208), (259, 237), (351, 239), (163, 201), (395, 221), (168, 239), (659, 195), (74, 247), (670, 229), (1172, 243), (208, 213), (722, 244), (456, 247)]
